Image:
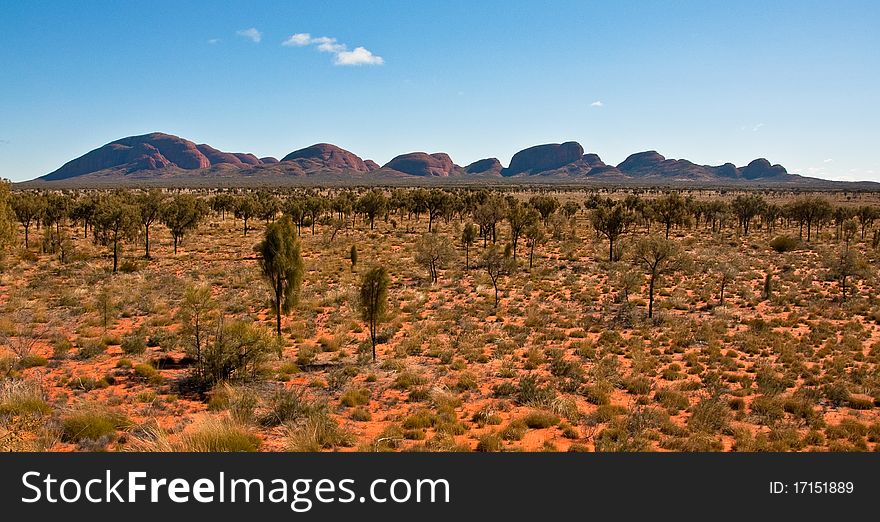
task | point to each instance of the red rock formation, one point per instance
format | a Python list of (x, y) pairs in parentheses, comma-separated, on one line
[(423, 164), (372, 165), (488, 166), (330, 156), (544, 157)]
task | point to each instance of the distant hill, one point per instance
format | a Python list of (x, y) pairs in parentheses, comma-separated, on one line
[(165, 157)]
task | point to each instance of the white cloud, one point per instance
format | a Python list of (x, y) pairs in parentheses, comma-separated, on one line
[(326, 44), (213, 41), (251, 34), (297, 40), (757, 127), (597, 103), (359, 56), (829, 160)]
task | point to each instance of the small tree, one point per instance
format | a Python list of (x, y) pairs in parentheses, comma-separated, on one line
[(246, 208), (746, 208), (671, 209), (115, 221), (373, 298), (545, 204), (468, 237), (846, 265), (656, 256), (236, 352), (198, 316), (768, 285), (353, 257), (282, 266), (520, 217), (372, 204), (727, 273), (149, 210), (534, 236), (433, 252), (28, 209), (497, 263), (610, 220), (181, 215)]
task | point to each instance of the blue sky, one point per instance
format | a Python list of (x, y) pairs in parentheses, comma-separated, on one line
[(796, 82)]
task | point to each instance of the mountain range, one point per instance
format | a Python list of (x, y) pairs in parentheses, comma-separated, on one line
[(159, 156)]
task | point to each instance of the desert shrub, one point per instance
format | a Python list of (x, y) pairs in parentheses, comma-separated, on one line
[(695, 442), (91, 423), (530, 393), (134, 343), (213, 434), (22, 398), (836, 393), (406, 380), (618, 439), (802, 409), (568, 431), (305, 355), (361, 414), (32, 361), (767, 409), (421, 419), (60, 347), (638, 385), (286, 405), (355, 397), (784, 244), (515, 430), (317, 432), (236, 353), (129, 266), (489, 442), (148, 373), (86, 383), (540, 419), (710, 415), (608, 412), (90, 348), (671, 400)]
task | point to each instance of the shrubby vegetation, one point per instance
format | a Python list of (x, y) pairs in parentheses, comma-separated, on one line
[(439, 319)]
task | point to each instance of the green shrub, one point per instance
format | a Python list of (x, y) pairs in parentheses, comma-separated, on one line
[(91, 423), (710, 415), (784, 244), (31, 361), (421, 419), (515, 430), (489, 442), (134, 344), (212, 434), (540, 419), (90, 348), (148, 373), (317, 432), (355, 397), (22, 398)]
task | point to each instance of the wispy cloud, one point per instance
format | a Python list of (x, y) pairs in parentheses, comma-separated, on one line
[(251, 34), (213, 41), (757, 127), (341, 54), (597, 103), (829, 160)]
